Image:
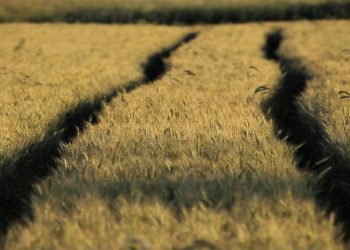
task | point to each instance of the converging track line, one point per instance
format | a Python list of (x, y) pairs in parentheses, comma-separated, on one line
[(39, 160), (314, 152)]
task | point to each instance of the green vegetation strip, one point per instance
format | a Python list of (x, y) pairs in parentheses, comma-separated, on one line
[(171, 12)]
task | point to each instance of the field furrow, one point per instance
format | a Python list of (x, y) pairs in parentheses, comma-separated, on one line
[(314, 150), (324, 48), (37, 160), (188, 162), (47, 70)]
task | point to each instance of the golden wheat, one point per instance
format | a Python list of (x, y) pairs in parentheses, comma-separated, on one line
[(47, 69), (187, 162)]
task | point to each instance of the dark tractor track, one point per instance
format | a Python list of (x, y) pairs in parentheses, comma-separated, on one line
[(20, 174), (155, 67), (314, 152)]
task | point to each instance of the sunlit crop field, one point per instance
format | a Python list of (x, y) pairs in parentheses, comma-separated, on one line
[(324, 47), (46, 70), (188, 161)]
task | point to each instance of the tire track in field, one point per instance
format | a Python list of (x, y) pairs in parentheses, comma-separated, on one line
[(39, 160), (314, 151)]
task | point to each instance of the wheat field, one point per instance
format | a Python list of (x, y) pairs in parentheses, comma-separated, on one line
[(48, 69), (324, 49), (188, 161)]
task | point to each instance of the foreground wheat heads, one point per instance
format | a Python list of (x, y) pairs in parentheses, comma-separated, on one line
[(33, 156), (187, 162), (325, 116)]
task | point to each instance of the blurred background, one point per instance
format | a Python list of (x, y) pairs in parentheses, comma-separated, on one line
[(170, 11)]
